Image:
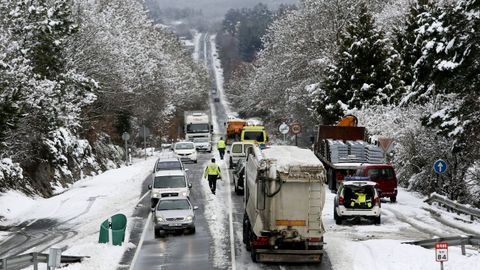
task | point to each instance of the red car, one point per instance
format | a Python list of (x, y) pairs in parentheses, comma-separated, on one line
[(384, 176)]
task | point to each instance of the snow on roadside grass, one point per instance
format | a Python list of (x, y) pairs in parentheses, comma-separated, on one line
[(196, 43), (82, 208)]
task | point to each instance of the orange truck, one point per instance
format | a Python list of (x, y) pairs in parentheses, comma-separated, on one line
[(234, 129)]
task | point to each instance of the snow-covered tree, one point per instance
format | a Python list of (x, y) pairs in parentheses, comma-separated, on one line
[(364, 70)]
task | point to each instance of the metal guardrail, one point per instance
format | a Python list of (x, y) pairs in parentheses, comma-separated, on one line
[(473, 240), (25, 260), (458, 207)]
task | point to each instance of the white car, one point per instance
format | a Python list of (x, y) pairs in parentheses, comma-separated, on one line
[(169, 183), (348, 202), (203, 144), (238, 150), (185, 151)]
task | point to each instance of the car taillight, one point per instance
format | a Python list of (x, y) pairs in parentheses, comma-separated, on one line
[(377, 200), (340, 200)]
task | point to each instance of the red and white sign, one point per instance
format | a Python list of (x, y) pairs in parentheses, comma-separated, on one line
[(441, 251)]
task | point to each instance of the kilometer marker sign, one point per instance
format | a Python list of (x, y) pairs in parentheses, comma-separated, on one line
[(441, 251)]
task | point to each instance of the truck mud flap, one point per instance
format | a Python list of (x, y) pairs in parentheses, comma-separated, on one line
[(292, 256)]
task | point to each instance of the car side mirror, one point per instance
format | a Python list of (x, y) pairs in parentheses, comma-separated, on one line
[(195, 207), (189, 185), (186, 170), (149, 186), (153, 209)]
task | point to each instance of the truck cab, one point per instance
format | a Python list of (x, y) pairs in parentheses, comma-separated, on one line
[(384, 176)]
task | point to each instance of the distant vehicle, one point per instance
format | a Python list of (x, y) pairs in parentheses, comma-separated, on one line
[(342, 149), (238, 150), (198, 124), (167, 164), (384, 176), (239, 176), (202, 144), (234, 129), (186, 151), (346, 202), (174, 214), (216, 99), (254, 134), (169, 184)]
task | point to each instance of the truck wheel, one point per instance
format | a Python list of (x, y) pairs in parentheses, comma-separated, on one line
[(244, 229), (253, 254), (393, 199)]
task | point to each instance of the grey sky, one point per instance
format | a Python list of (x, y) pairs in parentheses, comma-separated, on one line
[(217, 8)]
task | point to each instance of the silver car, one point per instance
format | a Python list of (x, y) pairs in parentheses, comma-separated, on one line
[(174, 214)]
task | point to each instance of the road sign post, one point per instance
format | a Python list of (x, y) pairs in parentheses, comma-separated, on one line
[(284, 129), (296, 129), (126, 137), (441, 253), (440, 166)]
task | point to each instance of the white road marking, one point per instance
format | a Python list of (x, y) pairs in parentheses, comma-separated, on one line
[(140, 243), (230, 219)]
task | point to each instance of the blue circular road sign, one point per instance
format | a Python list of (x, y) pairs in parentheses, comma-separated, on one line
[(440, 166)]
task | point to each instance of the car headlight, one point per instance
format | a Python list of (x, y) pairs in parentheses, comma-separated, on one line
[(155, 195), (189, 218), (184, 194), (160, 218)]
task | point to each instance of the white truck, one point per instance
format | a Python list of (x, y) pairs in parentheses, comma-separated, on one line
[(198, 124), (284, 198)]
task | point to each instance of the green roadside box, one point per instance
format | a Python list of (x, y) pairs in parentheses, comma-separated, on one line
[(119, 224), (103, 238)]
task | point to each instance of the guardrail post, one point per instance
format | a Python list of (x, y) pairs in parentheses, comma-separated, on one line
[(462, 245), (35, 260), (4, 262)]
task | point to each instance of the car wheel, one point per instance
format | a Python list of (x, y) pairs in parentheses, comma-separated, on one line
[(338, 219), (195, 161), (377, 220), (393, 199), (192, 230), (237, 190), (157, 233)]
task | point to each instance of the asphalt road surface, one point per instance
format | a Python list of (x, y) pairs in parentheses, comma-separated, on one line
[(211, 246)]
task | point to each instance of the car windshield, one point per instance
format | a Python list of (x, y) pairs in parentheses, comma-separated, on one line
[(200, 140), (198, 128), (173, 205), (171, 181), (169, 165), (182, 146), (254, 135), (380, 173)]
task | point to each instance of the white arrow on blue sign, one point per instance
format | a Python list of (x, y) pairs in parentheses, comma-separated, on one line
[(440, 166)]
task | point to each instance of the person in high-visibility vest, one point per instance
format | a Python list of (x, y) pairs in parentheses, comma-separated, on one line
[(221, 147), (361, 200), (212, 172)]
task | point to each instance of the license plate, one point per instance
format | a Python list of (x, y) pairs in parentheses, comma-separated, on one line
[(175, 224)]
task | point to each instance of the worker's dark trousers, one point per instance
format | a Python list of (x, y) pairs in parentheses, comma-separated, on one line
[(222, 152), (212, 182)]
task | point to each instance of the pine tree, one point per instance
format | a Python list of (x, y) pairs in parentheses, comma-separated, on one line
[(364, 70)]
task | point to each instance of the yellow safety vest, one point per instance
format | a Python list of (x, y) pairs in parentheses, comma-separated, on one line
[(212, 169), (221, 144), (361, 199)]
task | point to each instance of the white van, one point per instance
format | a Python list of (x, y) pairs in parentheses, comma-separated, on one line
[(238, 150), (168, 184)]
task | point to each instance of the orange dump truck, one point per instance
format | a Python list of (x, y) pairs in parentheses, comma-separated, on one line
[(234, 129)]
